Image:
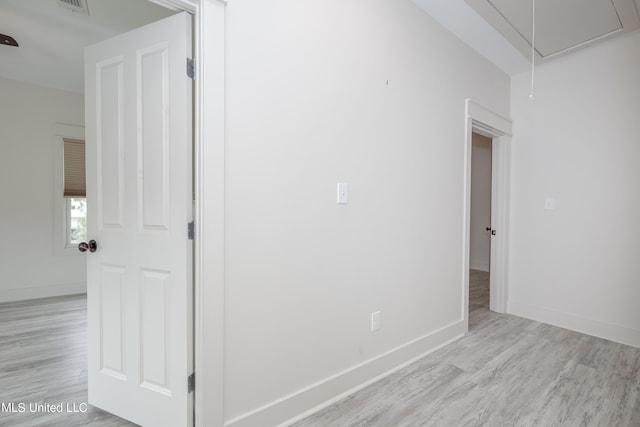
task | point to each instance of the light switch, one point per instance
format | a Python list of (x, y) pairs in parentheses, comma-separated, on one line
[(375, 321), (343, 193), (549, 204)]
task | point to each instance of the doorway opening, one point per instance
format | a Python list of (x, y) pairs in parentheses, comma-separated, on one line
[(488, 230), (65, 316), (480, 224), (208, 24)]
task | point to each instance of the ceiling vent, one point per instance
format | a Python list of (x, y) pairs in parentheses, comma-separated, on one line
[(78, 6)]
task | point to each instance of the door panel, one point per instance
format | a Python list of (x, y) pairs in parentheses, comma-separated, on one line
[(139, 178), (110, 143), (153, 148), (111, 326)]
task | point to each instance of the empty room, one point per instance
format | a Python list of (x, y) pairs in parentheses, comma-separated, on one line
[(303, 213)]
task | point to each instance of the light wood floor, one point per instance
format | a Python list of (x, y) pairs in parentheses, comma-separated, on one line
[(507, 371), (43, 359)]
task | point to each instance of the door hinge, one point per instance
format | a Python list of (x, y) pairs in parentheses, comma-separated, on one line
[(191, 230), (191, 383), (190, 69)]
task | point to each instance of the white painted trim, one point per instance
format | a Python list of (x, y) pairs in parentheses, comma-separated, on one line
[(574, 322), (485, 119), (209, 214), (301, 404), (500, 202), (466, 217), (481, 120), (36, 292), (68, 131), (208, 150)]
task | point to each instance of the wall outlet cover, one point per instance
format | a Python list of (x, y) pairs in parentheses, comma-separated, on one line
[(549, 203), (343, 193)]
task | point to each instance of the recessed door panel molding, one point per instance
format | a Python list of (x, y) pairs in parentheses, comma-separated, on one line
[(154, 318), (561, 26), (112, 345), (153, 139), (110, 144)]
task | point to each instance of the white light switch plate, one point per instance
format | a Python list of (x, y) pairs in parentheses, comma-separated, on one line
[(375, 321)]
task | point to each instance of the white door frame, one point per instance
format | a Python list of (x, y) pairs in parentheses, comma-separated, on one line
[(208, 149), (485, 122)]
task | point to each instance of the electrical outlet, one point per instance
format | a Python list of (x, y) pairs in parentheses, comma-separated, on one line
[(343, 193), (549, 203), (375, 321)]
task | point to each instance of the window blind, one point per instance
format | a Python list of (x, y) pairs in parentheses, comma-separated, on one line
[(74, 168)]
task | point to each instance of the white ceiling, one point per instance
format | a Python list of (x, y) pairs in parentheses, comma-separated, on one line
[(52, 39), (501, 30), (459, 18)]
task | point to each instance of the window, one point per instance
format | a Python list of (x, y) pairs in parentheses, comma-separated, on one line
[(74, 191), (74, 169), (70, 203), (76, 210)]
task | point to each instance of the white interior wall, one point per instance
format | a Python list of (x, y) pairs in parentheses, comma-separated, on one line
[(367, 92), (578, 143), (480, 245), (29, 268)]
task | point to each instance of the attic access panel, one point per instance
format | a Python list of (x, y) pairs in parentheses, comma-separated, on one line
[(560, 25)]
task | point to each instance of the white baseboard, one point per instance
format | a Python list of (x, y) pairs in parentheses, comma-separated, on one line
[(479, 267), (301, 404), (596, 328), (34, 292)]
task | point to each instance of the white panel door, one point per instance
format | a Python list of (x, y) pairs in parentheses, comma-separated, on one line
[(139, 190)]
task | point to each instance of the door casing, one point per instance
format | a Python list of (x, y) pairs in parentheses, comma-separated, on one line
[(485, 122), (208, 54)]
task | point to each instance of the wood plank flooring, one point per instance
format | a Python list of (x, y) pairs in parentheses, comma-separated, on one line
[(43, 360), (507, 371)]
